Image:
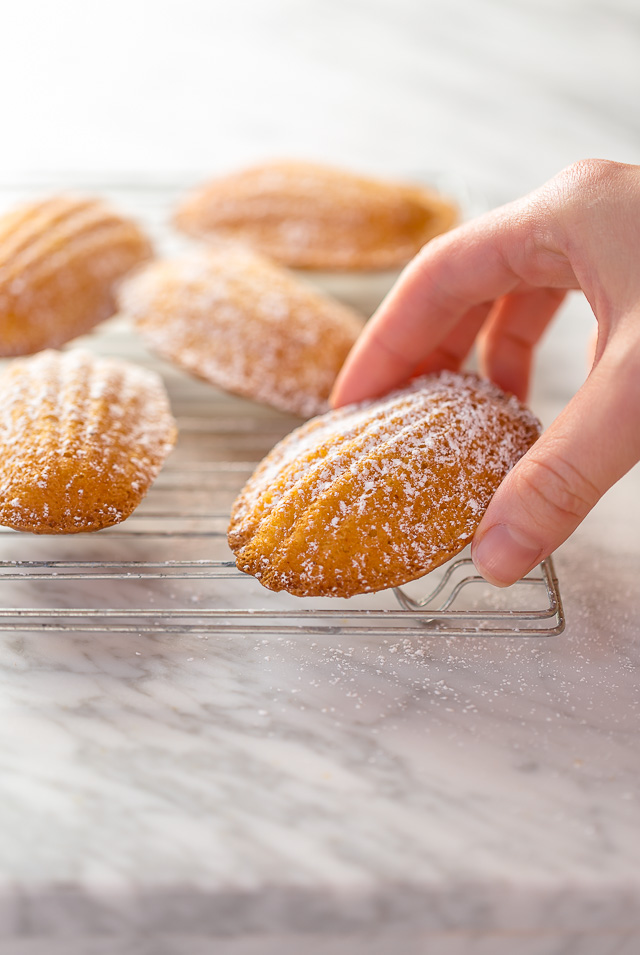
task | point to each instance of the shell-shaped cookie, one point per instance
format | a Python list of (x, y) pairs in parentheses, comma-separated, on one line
[(81, 441), (376, 494), (60, 259), (230, 316), (310, 216)]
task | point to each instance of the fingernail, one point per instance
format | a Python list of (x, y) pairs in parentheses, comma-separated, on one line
[(504, 554)]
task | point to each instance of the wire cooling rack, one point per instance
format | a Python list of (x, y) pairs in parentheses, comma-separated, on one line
[(168, 567)]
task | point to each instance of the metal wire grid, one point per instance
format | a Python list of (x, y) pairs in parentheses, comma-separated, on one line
[(86, 583), (413, 616), (167, 569)]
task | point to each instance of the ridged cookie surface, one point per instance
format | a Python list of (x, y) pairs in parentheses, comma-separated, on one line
[(311, 216), (376, 494), (237, 320), (59, 261), (81, 441)]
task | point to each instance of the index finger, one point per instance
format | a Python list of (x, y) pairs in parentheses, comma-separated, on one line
[(464, 268)]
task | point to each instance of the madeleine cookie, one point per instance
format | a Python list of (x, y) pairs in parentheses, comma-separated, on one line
[(244, 324), (310, 216), (59, 261), (376, 494), (81, 441)]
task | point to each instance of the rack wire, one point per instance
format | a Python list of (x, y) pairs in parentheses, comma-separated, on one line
[(168, 569)]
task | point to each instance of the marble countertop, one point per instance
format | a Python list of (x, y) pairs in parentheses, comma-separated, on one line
[(262, 793)]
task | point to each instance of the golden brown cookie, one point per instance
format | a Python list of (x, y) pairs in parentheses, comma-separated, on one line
[(81, 441), (310, 216), (237, 320), (376, 494), (59, 261)]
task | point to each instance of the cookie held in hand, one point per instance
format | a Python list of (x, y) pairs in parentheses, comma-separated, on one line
[(231, 317), (376, 494), (310, 216), (60, 259), (81, 441)]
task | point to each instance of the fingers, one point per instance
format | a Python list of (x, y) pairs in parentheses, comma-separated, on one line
[(454, 349), (506, 342), (452, 275), (550, 491), (553, 238), (508, 250)]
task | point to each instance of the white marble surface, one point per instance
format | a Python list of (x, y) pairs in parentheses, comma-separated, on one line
[(250, 794)]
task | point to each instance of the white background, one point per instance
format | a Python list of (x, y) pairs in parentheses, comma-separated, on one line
[(504, 92)]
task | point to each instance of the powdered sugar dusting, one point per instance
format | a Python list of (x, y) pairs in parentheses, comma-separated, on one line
[(59, 260), (233, 318), (313, 216), (81, 440), (379, 493)]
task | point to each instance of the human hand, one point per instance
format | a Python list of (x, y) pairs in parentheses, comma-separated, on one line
[(498, 281)]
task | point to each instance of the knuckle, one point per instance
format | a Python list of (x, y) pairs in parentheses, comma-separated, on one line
[(595, 178), (436, 267), (436, 244), (430, 255), (591, 171), (556, 491)]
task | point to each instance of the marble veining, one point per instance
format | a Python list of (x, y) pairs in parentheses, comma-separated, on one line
[(262, 793)]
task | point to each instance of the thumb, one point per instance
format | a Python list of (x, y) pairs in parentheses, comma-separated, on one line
[(553, 487)]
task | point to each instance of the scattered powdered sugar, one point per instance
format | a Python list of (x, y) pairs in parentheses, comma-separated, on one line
[(379, 493)]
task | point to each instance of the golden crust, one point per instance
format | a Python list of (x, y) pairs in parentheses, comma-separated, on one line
[(237, 320), (309, 216), (380, 493), (81, 441), (59, 261)]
